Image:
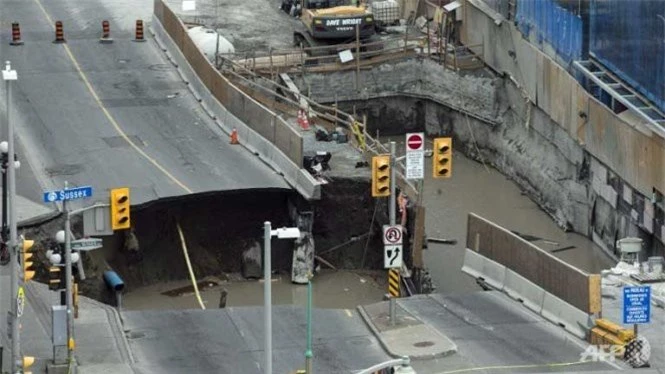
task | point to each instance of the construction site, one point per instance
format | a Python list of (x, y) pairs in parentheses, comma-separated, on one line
[(276, 114)]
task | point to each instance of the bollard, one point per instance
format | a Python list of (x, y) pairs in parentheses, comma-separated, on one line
[(106, 33), (139, 31), (59, 33), (16, 34)]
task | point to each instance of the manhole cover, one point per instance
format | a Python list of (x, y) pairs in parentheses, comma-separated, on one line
[(423, 344)]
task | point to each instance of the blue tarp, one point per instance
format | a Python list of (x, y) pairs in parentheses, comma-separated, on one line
[(553, 24), (628, 37)]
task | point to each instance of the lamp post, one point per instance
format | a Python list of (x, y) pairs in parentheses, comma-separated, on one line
[(268, 233), (309, 354), (10, 75)]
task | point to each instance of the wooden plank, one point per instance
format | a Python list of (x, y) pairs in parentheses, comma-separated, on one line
[(419, 233)]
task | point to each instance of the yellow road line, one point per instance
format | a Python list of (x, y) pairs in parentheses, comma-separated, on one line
[(107, 113)]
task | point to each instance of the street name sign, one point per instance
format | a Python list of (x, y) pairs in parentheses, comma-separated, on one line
[(392, 256), (68, 194), (87, 244), (415, 155), (636, 305)]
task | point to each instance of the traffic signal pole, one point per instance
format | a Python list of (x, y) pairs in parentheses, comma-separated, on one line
[(391, 215), (68, 284)]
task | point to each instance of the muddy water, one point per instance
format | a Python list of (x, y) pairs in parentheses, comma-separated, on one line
[(485, 191), (473, 188), (339, 290)]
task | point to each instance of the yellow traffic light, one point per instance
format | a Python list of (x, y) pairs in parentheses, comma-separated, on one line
[(380, 176), (442, 158), (120, 208), (55, 278), (28, 271)]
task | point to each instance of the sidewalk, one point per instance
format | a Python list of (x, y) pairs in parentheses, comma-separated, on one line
[(409, 336), (101, 346)]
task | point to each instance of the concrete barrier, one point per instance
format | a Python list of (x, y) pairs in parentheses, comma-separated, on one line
[(567, 316), (524, 291), (479, 266), (299, 178), (494, 273), (545, 270)]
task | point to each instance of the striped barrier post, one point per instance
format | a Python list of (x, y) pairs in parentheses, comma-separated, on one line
[(106, 33), (16, 34), (59, 33), (139, 31)]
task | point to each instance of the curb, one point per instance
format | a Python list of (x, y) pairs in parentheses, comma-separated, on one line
[(368, 321), (114, 319), (375, 332)]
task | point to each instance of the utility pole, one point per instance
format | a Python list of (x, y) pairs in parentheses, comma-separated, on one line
[(391, 214), (10, 75)]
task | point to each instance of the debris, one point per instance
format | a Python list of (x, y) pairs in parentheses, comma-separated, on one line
[(328, 264), (421, 22), (173, 95), (362, 280), (362, 164), (322, 134)]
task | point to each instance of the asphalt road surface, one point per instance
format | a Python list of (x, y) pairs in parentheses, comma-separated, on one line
[(231, 341), (111, 115)]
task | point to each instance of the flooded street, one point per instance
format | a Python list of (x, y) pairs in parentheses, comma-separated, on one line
[(331, 289), (486, 192), (473, 188)]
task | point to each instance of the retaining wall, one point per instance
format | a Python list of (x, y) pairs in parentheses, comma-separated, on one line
[(627, 159)]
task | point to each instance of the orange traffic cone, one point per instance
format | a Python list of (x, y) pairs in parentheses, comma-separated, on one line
[(234, 137), (305, 122)]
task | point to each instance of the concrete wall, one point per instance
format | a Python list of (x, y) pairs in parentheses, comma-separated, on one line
[(625, 159), (475, 95)]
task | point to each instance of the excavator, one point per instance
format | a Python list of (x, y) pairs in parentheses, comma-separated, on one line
[(329, 22)]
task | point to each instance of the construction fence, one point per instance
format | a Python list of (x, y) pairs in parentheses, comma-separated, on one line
[(259, 118)]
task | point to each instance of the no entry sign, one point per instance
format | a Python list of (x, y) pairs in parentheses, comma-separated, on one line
[(415, 155), (414, 142)]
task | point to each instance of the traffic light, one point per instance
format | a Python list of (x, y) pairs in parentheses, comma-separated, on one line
[(26, 363), (120, 208), (442, 158), (26, 261), (380, 176), (55, 278)]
